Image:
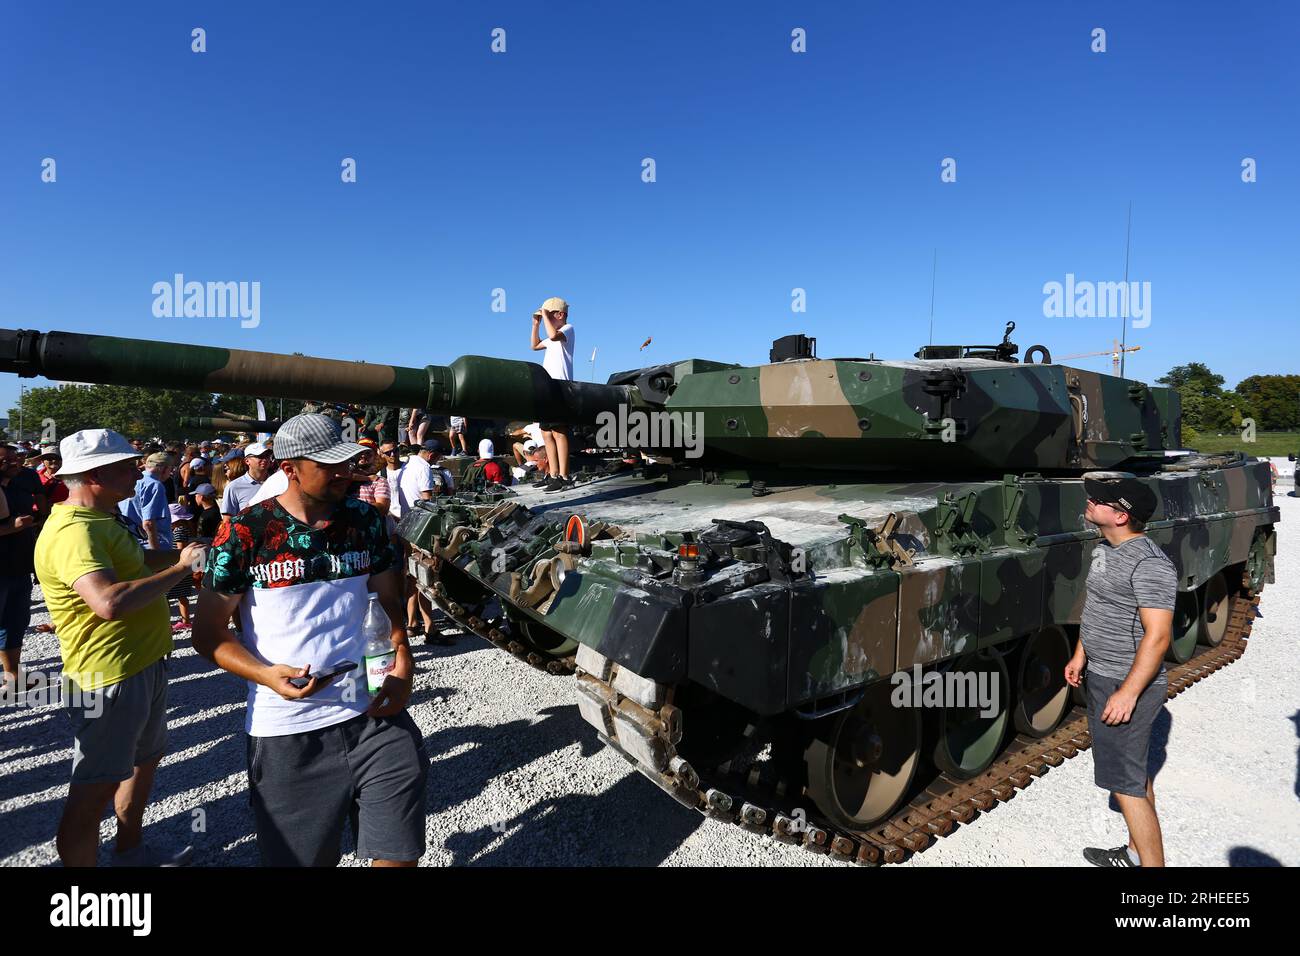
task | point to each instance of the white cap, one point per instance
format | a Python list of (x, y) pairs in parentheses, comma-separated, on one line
[(255, 449), (93, 447), (530, 445), (486, 448)]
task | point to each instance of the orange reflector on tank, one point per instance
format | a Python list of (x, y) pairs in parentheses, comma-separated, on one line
[(575, 530), (691, 552)]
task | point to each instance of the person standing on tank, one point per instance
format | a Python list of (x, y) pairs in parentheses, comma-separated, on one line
[(553, 317), (1123, 637)]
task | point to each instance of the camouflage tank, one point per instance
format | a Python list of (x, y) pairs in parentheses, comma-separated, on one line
[(776, 561)]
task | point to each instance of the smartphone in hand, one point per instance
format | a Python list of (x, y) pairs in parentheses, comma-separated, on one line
[(342, 667)]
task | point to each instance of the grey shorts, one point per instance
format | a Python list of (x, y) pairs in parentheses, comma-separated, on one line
[(1119, 752), (370, 771), (117, 728)]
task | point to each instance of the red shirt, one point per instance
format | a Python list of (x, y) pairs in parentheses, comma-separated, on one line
[(55, 489), (492, 470)]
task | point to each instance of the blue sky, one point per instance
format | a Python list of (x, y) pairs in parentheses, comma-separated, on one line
[(775, 170)]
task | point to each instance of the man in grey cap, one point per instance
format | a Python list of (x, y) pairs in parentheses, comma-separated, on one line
[(108, 601), (302, 568), (1124, 634)]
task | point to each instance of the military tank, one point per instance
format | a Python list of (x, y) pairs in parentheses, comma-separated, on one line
[(756, 594)]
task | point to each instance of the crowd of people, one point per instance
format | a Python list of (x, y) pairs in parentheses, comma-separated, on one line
[(274, 554), (288, 550)]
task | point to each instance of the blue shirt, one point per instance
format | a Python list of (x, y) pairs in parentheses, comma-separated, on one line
[(149, 503), (238, 494)]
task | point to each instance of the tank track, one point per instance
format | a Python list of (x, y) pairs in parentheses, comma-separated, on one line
[(423, 568), (764, 806), (638, 717)]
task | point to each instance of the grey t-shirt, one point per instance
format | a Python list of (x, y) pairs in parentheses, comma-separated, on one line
[(1122, 579)]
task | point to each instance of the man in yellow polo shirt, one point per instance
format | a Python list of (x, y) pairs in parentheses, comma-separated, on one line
[(109, 609)]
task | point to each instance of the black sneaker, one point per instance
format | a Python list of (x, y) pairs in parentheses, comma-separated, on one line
[(1117, 857), (557, 484)]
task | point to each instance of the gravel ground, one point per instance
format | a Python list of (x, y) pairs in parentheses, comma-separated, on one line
[(519, 779)]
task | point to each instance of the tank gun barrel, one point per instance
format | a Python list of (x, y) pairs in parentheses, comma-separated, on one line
[(224, 423), (472, 385)]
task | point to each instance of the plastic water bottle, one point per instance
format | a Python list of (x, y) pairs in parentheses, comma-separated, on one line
[(380, 655)]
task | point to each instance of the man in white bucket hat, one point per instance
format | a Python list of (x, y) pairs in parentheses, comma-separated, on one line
[(110, 612)]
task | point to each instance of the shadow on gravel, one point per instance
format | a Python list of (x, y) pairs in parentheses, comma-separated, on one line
[(223, 820), (630, 824), (1249, 856), (464, 644), (1295, 719), (497, 750), (35, 822), (423, 695), (43, 663)]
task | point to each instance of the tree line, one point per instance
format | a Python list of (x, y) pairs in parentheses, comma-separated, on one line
[(1271, 401), (135, 411)]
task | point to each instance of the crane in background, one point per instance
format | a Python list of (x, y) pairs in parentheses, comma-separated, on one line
[(1115, 353)]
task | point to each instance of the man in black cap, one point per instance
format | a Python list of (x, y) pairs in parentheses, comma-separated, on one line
[(1124, 634)]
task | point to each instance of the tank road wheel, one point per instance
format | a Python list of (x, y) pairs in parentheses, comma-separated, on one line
[(1042, 695), (861, 763), (1186, 628), (539, 637), (968, 740), (1215, 607)]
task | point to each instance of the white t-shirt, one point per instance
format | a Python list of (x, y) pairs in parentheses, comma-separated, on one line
[(558, 361), (417, 476), (274, 486), (534, 433), (397, 504)]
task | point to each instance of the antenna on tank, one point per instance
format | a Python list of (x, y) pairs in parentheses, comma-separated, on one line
[(1123, 335), (934, 274)]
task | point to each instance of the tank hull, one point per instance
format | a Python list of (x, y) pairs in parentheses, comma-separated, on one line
[(809, 598)]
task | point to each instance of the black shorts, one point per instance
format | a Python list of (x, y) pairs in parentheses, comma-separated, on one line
[(15, 609), (1119, 752), (371, 771), (554, 427)]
